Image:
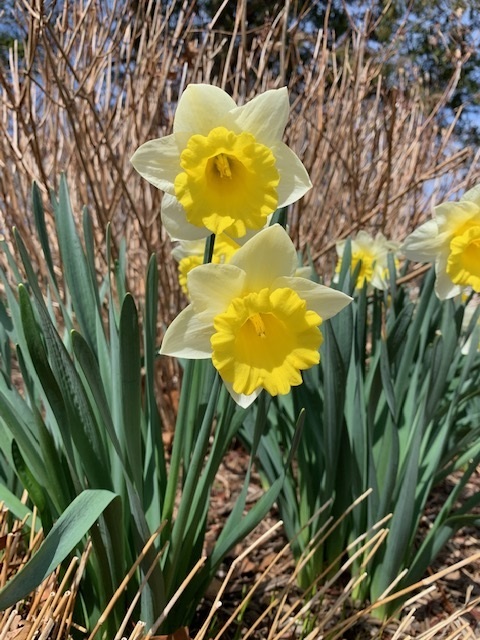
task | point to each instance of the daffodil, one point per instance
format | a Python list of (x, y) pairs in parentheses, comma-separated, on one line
[(257, 321), (451, 240), (224, 168), (189, 255), (372, 253)]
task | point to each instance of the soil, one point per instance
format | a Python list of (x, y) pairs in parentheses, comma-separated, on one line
[(447, 598)]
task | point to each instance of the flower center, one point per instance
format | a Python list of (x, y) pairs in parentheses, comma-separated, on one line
[(229, 182), (463, 265), (366, 268), (264, 339), (258, 324), (222, 165)]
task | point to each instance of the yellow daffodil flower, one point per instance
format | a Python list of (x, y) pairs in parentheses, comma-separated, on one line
[(373, 255), (257, 321), (189, 254), (452, 242), (224, 168)]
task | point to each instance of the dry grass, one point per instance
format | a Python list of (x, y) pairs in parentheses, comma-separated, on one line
[(48, 614)]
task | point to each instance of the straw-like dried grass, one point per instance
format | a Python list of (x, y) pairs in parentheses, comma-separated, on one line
[(48, 614)]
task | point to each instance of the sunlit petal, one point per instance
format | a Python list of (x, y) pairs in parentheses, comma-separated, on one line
[(473, 195), (323, 300), (267, 256), (265, 116), (158, 161), (294, 180), (175, 221), (201, 108), (444, 287), (211, 289), (423, 244), (187, 337), (241, 399)]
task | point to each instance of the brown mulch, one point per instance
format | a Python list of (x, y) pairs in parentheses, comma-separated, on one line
[(451, 592), (270, 564)]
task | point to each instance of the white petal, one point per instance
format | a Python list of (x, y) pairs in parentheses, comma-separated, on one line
[(175, 221), (294, 180), (424, 243), (444, 287), (473, 195), (265, 116), (323, 300), (268, 255), (304, 272), (452, 215), (240, 398), (340, 248), (201, 108), (158, 161), (187, 248), (188, 336), (379, 280), (364, 238), (212, 286)]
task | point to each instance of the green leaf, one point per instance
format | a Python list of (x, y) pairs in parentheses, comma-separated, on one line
[(81, 424), (43, 236), (75, 266), (64, 537), (34, 489), (130, 364)]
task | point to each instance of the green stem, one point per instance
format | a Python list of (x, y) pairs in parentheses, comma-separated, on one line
[(186, 503), (181, 427)]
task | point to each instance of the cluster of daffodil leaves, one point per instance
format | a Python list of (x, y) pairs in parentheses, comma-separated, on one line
[(366, 387), (259, 319)]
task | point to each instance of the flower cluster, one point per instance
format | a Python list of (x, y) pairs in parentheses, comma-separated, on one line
[(372, 255), (224, 171), (451, 240), (258, 322)]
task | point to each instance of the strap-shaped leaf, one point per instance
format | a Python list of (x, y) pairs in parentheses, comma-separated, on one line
[(64, 537), (39, 217), (130, 364), (35, 490), (75, 266)]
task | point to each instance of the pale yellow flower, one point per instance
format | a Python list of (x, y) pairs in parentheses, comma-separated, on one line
[(373, 255), (257, 321), (451, 241), (224, 168), (189, 254)]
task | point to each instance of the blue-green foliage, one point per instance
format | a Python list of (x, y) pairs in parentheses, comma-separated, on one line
[(78, 412), (393, 407)]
